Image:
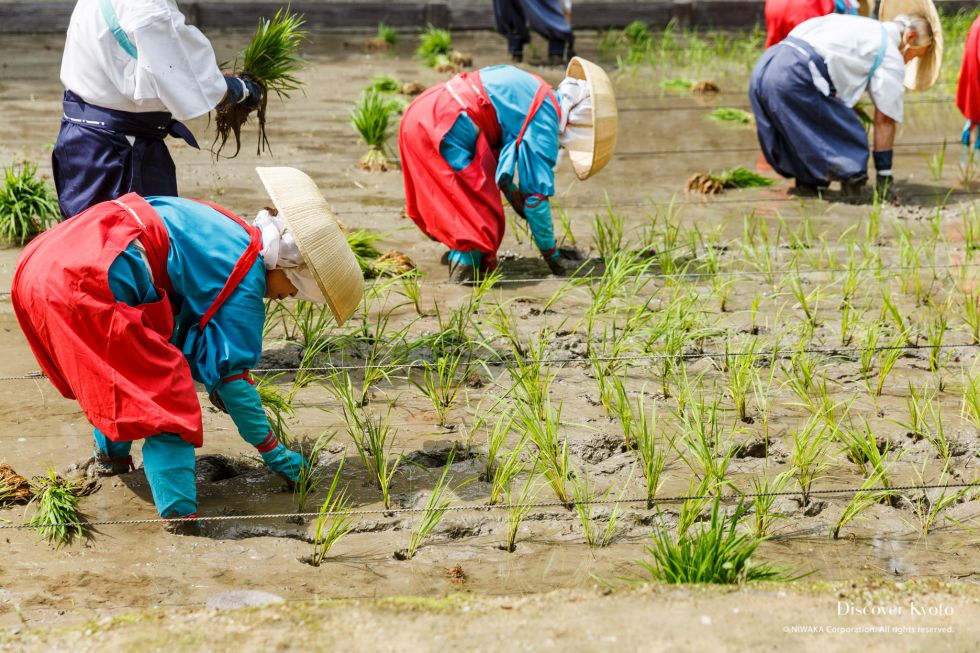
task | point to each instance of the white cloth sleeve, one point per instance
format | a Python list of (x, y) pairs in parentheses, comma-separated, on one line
[(177, 66), (887, 87)]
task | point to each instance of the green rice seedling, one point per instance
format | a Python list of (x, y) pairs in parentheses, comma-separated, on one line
[(433, 43), (699, 495), (971, 228), (278, 406), (765, 491), (608, 234), (496, 441), (971, 315), (803, 376), (386, 38), (28, 206), (848, 320), (272, 61), (701, 436), (510, 464), (411, 289), (364, 244), (677, 84), (935, 336), (57, 517), (756, 247), (371, 119), (334, 521), (764, 398), (928, 505), (936, 162), (740, 366), (373, 436), (311, 476), (384, 84), (541, 428), (583, 494), (717, 554), (936, 435), (808, 455), (519, 509), (435, 508), (863, 449), (565, 221), (971, 397), (728, 114), (887, 358), (869, 353), (869, 495), (637, 35), (441, 382), (652, 457), (805, 301)]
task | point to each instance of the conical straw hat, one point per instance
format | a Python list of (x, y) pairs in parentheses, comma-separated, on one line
[(922, 72), (317, 232), (605, 118)]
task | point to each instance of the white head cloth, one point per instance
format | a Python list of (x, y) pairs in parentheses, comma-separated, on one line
[(280, 251), (575, 130)]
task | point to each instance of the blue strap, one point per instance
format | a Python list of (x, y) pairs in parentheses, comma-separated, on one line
[(882, 49), (112, 20), (845, 7)]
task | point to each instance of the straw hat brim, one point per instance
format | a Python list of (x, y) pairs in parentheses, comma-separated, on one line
[(318, 236), (922, 72), (605, 118)]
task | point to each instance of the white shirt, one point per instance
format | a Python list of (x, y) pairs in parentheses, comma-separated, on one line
[(175, 69), (849, 45)]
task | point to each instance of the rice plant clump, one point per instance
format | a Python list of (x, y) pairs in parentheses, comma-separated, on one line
[(385, 39), (371, 118), (436, 49), (708, 183), (272, 61), (28, 206), (363, 243), (14, 488), (735, 116), (716, 554), (57, 517)]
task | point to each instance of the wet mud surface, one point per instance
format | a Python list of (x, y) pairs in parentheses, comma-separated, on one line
[(141, 566)]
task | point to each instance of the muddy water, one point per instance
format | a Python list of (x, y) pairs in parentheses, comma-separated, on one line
[(139, 566)]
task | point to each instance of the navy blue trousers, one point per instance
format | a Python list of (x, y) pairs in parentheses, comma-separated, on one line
[(803, 133), (545, 17), (93, 161)]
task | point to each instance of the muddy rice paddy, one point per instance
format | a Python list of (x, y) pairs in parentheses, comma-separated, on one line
[(758, 271)]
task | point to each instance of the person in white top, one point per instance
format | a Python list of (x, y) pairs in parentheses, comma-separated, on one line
[(131, 71), (803, 92)]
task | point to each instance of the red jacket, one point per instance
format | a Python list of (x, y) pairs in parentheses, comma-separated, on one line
[(968, 90), (783, 15)]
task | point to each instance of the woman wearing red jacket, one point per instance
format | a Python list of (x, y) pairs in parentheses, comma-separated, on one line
[(783, 15), (968, 89)]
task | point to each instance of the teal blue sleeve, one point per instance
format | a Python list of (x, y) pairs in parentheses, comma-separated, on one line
[(459, 143), (242, 401)]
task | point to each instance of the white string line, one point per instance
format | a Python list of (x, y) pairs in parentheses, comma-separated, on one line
[(505, 506), (421, 364)]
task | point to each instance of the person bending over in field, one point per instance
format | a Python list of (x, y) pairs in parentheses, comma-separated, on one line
[(968, 88), (151, 294), (804, 91), (499, 129)]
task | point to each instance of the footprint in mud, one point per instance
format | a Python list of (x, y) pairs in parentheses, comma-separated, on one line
[(600, 448), (212, 468), (436, 453)]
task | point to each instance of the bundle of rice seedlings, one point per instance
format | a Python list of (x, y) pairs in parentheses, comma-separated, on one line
[(14, 488), (392, 264), (56, 514), (677, 84), (434, 41), (27, 204), (384, 84), (385, 39), (435, 48), (728, 114), (708, 183), (716, 554), (705, 87), (271, 60), (637, 35), (412, 88), (371, 118), (363, 243)]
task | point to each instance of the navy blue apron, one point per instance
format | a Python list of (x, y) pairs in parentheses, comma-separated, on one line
[(804, 133), (93, 160), (546, 18)]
